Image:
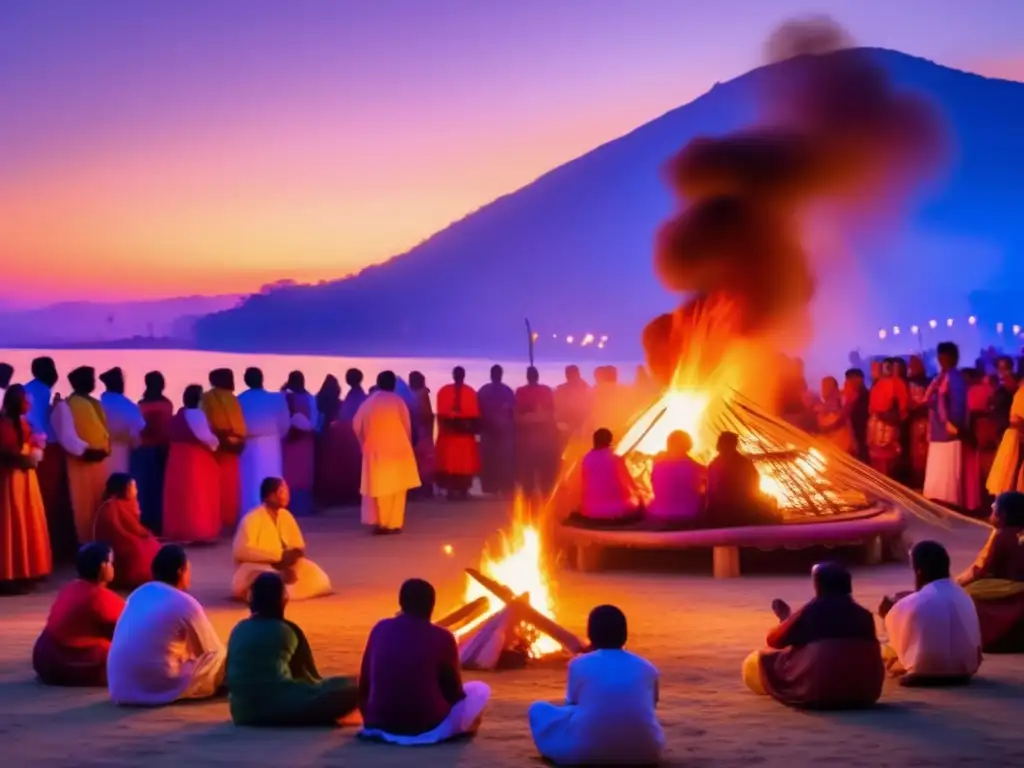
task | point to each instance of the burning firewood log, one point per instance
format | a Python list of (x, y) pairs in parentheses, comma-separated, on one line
[(460, 617), (496, 636), (529, 614)]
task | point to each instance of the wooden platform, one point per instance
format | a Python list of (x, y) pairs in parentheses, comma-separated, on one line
[(879, 530)]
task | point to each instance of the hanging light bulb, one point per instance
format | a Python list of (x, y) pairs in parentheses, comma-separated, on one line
[(1016, 330), (895, 330), (949, 323), (999, 327), (972, 320), (882, 334), (569, 339), (932, 324), (914, 329)]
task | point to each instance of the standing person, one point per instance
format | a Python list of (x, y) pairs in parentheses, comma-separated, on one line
[(328, 405), (917, 388), (149, 460), (299, 447), (855, 398), (384, 429), (164, 647), (497, 434), (610, 406), (6, 374), (572, 412), (348, 465), (833, 416), (947, 411), (118, 524), (227, 422), (124, 420), (423, 430), (52, 471), (537, 456), (81, 427), (982, 439), (266, 422), (25, 555), (410, 683), (458, 419), (888, 406), (1006, 388), (192, 488)]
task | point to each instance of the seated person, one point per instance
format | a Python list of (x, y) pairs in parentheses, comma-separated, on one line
[(934, 634), (271, 676), (826, 655), (118, 524), (996, 579), (73, 647), (410, 686), (269, 540), (164, 647), (677, 481), (734, 489), (609, 493), (609, 712)]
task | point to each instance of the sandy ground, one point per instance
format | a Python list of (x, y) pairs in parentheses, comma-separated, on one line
[(697, 630)]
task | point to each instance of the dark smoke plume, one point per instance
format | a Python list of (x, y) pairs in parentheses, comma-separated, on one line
[(833, 128)]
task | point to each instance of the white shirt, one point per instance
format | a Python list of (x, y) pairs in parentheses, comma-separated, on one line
[(200, 426), (265, 413), (935, 631)]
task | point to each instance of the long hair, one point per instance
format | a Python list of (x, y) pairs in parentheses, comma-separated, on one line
[(14, 399)]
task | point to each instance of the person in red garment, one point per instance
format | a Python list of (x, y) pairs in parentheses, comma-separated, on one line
[(72, 649), (824, 656), (410, 685), (118, 524), (223, 412), (995, 581), (192, 488), (457, 454)]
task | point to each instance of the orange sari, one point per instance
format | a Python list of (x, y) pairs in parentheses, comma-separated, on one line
[(24, 538)]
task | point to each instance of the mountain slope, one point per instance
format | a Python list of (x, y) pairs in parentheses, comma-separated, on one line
[(572, 250)]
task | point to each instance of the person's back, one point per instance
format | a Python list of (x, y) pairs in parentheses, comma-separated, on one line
[(404, 666), (615, 693), (606, 492), (677, 483), (935, 631)]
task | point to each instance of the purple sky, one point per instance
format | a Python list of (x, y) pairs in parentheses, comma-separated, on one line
[(162, 147)]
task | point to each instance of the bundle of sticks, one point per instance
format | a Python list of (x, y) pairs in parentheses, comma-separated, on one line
[(504, 640)]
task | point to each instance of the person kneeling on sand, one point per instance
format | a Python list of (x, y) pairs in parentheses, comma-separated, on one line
[(410, 685), (609, 493), (934, 633), (824, 656), (995, 581), (268, 539), (609, 712), (164, 647), (271, 676), (73, 647)]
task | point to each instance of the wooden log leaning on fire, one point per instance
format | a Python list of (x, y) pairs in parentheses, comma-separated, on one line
[(460, 617), (484, 648), (529, 614)]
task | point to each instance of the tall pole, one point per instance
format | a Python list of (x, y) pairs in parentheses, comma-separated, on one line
[(529, 339)]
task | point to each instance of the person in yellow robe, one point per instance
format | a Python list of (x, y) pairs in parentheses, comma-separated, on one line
[(269, 539), (81, 427), (224, 413)]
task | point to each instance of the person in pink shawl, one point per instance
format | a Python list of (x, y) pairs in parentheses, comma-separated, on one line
[(298, 449), (609, 494)]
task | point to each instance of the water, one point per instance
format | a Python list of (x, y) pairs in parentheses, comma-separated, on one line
[(183, 367)]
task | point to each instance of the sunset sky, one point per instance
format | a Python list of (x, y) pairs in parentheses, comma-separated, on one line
[(153, 148)]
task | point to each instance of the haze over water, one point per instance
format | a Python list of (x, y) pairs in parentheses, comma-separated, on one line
[(183, 367)]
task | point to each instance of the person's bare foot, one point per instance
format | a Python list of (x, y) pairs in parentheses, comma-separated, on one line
[(781, 609)]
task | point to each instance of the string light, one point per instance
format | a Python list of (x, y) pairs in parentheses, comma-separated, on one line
[(914, 329), (570, 339), (882, 334), (932, 324), (949, 323), (1016, 330), (895, 330), (972, 320), (999, 327)]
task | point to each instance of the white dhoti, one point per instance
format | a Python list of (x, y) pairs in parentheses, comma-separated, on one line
[(261, 458), (205, 675), (464, 719), (943, 477), (384, 511), (310, 582)]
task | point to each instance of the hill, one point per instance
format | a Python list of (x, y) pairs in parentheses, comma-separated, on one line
[(572, 249)]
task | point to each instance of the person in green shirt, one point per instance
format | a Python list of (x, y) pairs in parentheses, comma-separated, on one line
[(271, 676)]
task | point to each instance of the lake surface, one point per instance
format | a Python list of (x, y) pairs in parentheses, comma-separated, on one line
[(183, 367)]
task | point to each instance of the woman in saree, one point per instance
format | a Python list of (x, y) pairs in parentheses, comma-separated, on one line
[(118, 524), (888, 408), (1006, 467), (192, 499), (995, 581), (917, 422), (833, 417)]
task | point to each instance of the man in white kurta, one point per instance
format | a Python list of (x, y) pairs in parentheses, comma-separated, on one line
[(267, 422), (164, 648), (268, 539), (124, 420), (384, 429), (934, 632)]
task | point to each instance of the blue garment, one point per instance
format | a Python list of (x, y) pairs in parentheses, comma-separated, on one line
[(497, 433), (38, 414), (148, 464), (947, 402)]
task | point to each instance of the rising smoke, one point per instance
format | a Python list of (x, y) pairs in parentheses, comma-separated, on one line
[(833, 129)]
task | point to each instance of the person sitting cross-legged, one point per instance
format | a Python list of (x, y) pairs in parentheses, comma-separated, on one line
[(824, 656), (609, 713), (269, 540), (272, 679), (73, 647), (410, 686), (677, 482), (995, 581), (118, 523), (609, 493), (934, 633)]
